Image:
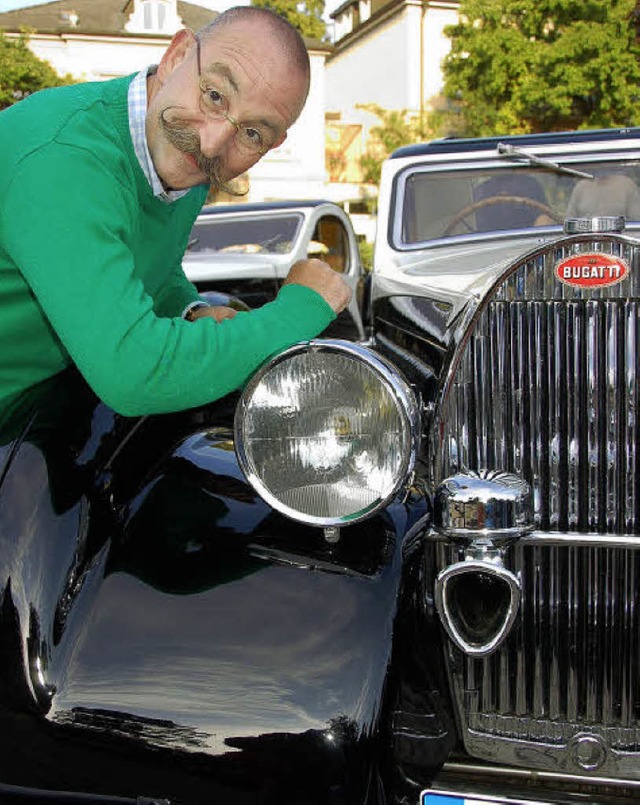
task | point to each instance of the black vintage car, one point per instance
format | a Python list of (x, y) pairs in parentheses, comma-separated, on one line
[(405, 571)]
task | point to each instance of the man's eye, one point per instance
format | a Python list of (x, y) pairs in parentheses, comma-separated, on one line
[(215, 99), (254, 136)]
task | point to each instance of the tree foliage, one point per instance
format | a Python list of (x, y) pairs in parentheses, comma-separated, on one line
[(396, 128), (21, 72), (305, 16), (521, 66)]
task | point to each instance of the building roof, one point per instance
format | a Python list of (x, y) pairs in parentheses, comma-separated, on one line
[(97, 17), (342, 7), (106, 18)]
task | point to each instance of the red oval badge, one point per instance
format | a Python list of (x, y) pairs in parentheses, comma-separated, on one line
[(594, 270)]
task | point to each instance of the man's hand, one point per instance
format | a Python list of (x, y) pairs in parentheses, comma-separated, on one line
[(217, 312), (320, 277)]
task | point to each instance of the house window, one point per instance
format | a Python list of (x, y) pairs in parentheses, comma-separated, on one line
[(69, 18), (154, 14), (153, 17)]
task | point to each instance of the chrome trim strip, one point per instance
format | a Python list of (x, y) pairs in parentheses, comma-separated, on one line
[(529, 775), (582, 540), (541, 538)]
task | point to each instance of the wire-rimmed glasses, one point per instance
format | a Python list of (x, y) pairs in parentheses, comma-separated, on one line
[(215, 105)]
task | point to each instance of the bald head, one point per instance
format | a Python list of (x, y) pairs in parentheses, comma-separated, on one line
[(285, 36)]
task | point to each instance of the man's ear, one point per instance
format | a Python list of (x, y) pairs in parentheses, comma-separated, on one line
[(279, 141), (179, 49)]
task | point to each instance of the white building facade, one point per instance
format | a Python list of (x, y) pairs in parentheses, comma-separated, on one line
[(103, 39), (387, 52), (392, 57)]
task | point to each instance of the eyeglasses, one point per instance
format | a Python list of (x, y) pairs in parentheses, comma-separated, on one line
[(215, 106)]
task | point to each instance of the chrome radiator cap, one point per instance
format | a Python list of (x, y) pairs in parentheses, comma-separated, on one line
[(605, 223), (497, 506)]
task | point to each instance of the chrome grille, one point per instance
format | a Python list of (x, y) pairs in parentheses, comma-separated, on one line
[(572, 664), (547, 387)]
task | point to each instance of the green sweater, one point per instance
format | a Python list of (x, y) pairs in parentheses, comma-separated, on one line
[(90, 266)]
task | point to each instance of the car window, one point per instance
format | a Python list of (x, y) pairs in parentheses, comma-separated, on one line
[(330, 243), (437, 204), (264, 235)]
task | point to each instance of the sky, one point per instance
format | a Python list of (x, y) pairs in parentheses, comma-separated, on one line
[(9, 5)]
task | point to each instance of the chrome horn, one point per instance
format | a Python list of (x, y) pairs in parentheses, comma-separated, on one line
[(478, 598)]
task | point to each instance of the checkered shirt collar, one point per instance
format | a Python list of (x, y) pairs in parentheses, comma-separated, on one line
[(137, 100)]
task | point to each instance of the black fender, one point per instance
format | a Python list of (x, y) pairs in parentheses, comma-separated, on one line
[(165, 633)]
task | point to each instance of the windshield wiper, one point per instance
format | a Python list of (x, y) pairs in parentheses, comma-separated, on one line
[(508, 150)]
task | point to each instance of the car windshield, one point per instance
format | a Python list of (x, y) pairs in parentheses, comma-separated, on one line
[(273, 235), (436, 203)]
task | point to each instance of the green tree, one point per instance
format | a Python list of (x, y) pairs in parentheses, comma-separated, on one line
[(521, 66), (21, 72), (305, 16), (396, 128)]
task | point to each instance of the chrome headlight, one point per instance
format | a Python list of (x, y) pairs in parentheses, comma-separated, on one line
[(326, 432)]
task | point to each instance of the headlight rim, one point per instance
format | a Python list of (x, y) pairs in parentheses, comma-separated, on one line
[(405, 399)]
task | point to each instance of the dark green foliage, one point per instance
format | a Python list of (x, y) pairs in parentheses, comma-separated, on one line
[(397, 128), (305, 16), (21, 72), (519, 66)]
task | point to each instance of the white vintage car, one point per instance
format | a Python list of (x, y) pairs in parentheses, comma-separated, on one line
[(245, 251)]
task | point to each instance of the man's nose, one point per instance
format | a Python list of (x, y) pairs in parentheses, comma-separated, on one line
[(216, 136)]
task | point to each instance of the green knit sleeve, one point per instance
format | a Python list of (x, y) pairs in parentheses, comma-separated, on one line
[(175, 295), (79, 262)]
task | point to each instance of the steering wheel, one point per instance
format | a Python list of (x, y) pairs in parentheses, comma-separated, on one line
[(491, 201)]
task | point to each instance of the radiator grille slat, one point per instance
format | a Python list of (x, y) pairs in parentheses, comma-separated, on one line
[(629, 417)]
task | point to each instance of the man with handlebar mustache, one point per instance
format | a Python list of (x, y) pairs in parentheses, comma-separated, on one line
[(100, 185)]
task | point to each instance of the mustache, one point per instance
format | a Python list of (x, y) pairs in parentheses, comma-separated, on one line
[(185, 139)]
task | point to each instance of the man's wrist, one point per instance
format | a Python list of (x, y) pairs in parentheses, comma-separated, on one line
[(189, 312)]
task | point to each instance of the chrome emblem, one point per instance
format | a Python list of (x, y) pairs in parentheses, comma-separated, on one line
[(592, 270), (588, 751)]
